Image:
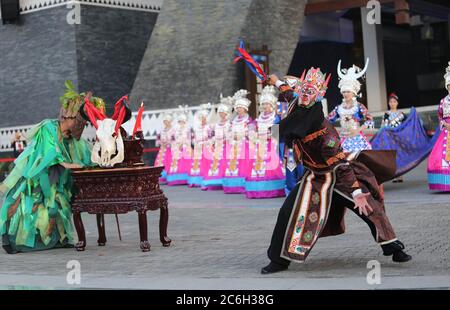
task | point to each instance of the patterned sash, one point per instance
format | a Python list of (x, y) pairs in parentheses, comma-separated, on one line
[(309, 215)]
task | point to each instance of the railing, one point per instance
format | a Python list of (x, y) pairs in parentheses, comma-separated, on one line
[(28, 6), (152, 122)]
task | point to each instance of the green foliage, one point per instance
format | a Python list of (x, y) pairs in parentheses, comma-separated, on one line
[(73, 100), (99, 103), (70, 95)]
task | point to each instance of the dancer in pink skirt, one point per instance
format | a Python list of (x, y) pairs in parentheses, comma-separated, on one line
[(237, 153), (202, 146), (267, 176), (165, 138), (213, 178), (439, 160), (181, 152)]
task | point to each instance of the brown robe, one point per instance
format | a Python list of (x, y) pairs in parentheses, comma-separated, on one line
[(326, 191), (316, 206)]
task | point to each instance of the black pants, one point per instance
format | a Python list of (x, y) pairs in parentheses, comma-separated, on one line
[(276, 243)]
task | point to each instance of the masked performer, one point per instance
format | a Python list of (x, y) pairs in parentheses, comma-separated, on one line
[(237, 152), (267, 176), (36, 208), (405, 135), (350, 112), (201, 135), (212, 179), (181, 152), (294, 170), (333, 182), (439, 160), (164, 141)]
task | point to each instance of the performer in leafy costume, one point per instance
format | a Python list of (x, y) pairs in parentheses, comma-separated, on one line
[(36, 211)]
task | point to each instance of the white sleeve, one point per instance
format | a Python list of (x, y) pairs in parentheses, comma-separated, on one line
[(279, 83), (356, 192)]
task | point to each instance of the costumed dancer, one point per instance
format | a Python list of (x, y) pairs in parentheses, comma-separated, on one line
[(164, 140), (393, 117), (181, 151), (294, 170), (212, 180), (333, 182), (36, 212), (439, 160), (237, 153), (201, 137), (405, 135), (267, 176), (350, 112)]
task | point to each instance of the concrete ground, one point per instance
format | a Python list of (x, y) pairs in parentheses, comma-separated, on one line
[(220, 242)]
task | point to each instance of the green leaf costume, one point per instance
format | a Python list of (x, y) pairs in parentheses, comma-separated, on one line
[(36, 211)]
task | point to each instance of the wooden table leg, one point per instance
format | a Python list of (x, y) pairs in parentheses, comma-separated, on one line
[(163, 221), (145, 245), (81, 245), (101, 229)]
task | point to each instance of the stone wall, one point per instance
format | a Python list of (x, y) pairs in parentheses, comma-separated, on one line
[(187, 60), (36, 57), (110, 45), (190, 53), (102, 54)]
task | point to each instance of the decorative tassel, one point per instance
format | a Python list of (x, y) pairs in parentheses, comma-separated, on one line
[(117, 107), (92, 113), (138, 124), (120, 119)]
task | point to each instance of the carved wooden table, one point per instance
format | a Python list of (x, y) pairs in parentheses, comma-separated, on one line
[(118, 191)]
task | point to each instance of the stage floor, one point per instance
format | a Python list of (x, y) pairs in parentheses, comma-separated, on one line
[(220, 242)]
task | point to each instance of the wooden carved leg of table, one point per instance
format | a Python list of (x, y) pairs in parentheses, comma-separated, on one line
[(80, 246), (163, 221), (145, 245), (101, 230)]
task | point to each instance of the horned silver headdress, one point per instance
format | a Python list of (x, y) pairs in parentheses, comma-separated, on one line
[(241, 100), (167, 117), (182, 114), (205, 110), (226, 105), (349, 78), (269, 95)]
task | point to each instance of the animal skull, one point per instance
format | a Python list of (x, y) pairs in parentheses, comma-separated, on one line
[(108, 149)]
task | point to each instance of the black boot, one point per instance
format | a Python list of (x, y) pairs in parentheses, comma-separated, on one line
[(8, 249), (273, 267), (401, 257), (396, 250)]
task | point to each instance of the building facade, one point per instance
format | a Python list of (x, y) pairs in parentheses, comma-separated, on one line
[(170, 52), (98, 44)]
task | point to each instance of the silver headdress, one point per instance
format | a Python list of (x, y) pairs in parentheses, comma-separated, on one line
[(349, 78), (269, 95), (447, 75), (241, 100), (226, 105), (182, 114)]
